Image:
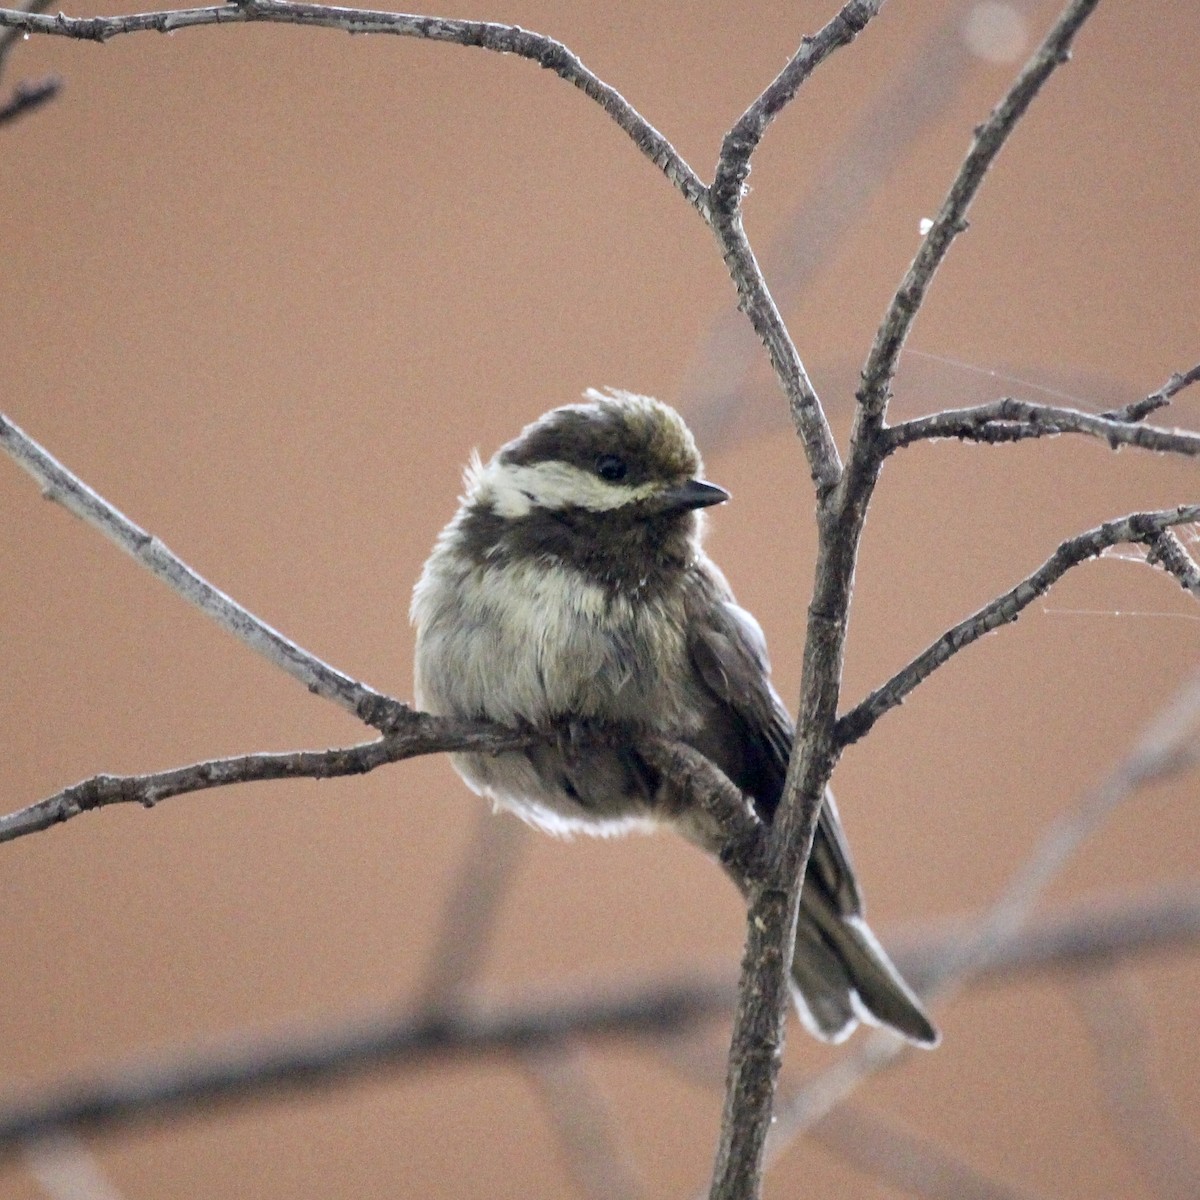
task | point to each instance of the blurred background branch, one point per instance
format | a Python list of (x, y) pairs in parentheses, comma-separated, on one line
[(187, 1082)]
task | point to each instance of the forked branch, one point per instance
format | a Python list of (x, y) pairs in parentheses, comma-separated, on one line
[(725, 217), (1013, 420), (742, 140)]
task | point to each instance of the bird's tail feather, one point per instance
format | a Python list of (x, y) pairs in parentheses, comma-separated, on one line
[(822, 987), (842, 974)]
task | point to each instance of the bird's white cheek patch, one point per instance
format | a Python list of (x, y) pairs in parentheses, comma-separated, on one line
[(515, 491)]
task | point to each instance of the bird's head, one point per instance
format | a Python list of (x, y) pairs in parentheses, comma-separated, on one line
[(617, 476)]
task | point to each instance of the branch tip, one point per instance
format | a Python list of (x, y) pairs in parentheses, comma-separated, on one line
[(990, 137)]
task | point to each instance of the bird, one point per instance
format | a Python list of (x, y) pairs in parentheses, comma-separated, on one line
[(570, 596)]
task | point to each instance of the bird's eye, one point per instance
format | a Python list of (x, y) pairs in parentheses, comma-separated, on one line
[(610, 467)]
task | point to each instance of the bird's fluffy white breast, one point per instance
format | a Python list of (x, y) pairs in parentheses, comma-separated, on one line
[(532, 641)]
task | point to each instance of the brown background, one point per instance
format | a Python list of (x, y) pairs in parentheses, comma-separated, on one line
[(265, 288)]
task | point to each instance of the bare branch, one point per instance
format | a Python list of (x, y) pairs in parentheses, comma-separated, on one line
[(815, 1099), (754, 299), (700, 784), (1166, 747), (1094, 930), (719, 817), (842, 500), (760, 1021), (418, 733), (714, 394), (587, 1129), (756, 1048), (487, 35), (732, 829), (248, 1066), (1145, 528), (29, 95), (300, 1059), (725, 200), (742, 140), (1017, 420), (843, 496), (76, 497), (950, 221)]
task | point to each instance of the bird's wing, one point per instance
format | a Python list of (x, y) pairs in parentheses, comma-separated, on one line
[(749, 733)]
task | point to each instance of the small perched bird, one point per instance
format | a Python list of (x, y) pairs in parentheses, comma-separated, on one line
[(570, 592)]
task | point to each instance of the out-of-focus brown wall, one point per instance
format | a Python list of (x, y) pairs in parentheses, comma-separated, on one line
[(265, 288)]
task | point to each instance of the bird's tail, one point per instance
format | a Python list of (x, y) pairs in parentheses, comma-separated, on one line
[(843, 975)]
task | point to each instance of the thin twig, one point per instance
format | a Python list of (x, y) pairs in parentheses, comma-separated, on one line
[(733, 165), (950, 221), (1023, 419), (715, 396), (1140, 409), (246, 1066), (76, 497), (1145, 528), (487, 35), (420, 733), (754, 299)]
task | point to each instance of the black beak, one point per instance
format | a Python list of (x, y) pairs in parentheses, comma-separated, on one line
[(693, 494)]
